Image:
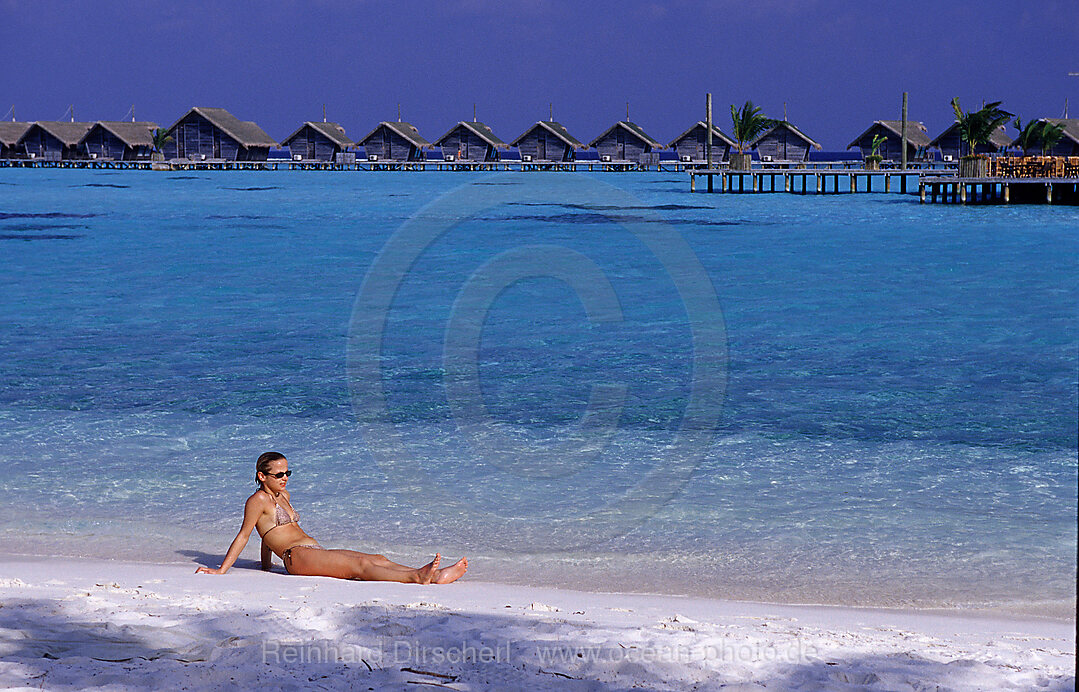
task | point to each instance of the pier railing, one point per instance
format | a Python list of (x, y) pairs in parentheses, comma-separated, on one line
[(1034, 167)]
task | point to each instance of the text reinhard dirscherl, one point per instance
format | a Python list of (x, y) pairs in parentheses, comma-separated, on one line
[(393, 652)]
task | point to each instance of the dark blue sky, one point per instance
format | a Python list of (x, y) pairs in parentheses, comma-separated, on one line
[(838, 64)]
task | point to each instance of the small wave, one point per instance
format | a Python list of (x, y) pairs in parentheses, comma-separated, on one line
[(614, 207), (12, 236), (43, 215), (42, 226), (613, 218), (252, 189), (122, 187)]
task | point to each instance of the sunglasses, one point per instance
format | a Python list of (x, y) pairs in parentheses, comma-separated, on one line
[(280, 474)]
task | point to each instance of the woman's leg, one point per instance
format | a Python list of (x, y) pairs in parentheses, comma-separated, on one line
[(380, 560), (445, 575), (348, 564)]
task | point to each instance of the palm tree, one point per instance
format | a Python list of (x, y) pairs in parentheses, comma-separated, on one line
[(977, 127), (872, 162), (161, 137), (1038, 134), (1050, 135), (748, 123), (1029, 134)]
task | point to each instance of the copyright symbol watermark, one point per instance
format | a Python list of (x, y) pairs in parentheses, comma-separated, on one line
[(499, 452)]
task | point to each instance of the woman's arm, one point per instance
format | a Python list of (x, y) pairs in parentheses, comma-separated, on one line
[(267, 557), (252, 510)]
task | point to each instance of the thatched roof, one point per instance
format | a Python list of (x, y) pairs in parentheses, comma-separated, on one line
[(917, 135), (790, 128), (332, 131), (633, 128), (716, 133), (12, 132), (246, 133), (557, 129), (70, 134), (133, 134), (406, 131), (480, 130), (999, 138)]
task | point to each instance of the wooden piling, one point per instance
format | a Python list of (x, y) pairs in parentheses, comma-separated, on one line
[(708, 136), (904, 132)]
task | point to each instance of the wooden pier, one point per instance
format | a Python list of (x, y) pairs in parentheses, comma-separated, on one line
[(382, 165), (767, 169), (956, 190), (806, 181)]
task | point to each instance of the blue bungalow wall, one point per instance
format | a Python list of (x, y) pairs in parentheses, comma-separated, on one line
[(470, 146), (195, 136), (1065, 147), (44, 146), (387, 145), (108, 146), (783, 145), (622, 145), (311, 144), (541, 145)]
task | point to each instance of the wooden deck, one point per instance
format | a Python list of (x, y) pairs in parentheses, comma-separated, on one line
[(956, 190)]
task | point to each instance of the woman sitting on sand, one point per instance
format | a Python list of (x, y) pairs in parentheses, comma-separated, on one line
[(270, 511)]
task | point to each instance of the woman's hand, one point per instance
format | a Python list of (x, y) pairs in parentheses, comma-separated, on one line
[(209, 570)]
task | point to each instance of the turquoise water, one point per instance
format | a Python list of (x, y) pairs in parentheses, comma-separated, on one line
[(883, 395)]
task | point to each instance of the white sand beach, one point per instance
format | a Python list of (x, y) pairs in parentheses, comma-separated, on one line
[(111, 625)]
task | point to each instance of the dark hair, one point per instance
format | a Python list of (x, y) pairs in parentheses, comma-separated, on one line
[(263, 464)]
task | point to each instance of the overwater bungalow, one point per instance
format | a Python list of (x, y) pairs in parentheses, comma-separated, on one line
[(119, 140), (10, 134), (691, 145), (548, 141), (892, 131), (624, 141), (395, 141), (54, 141), (951, 147), (317, 141), (471, 141), (214, 133), (1069, 142), (783, 142)]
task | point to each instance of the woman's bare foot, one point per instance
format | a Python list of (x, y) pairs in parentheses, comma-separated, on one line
[(453, 572), (427, 573)]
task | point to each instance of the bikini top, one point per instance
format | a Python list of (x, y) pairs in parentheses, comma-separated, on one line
[(281, 516)]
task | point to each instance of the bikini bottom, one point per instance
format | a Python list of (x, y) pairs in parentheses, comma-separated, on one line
[(286, 556)]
